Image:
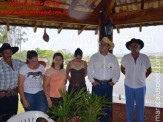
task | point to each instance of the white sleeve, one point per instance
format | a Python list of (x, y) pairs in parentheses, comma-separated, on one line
[(123, 62), (90, 70), (116, 71), (22, 70), (148, 63), (42, 69)]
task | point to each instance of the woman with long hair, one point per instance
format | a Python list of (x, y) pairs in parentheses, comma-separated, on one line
[(55, 81), (30, 84)]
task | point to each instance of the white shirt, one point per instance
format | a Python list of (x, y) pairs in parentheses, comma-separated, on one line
[(103, 68), (135, 73), (33, 78)]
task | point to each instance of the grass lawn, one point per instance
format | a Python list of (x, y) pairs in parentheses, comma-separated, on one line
[(160, 70)]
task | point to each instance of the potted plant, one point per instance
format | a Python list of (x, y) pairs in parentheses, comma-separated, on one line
[(79, 107)]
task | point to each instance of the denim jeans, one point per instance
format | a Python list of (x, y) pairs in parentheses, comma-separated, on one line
[(135, 95), (8, 107), (37, 102), (76, 89), (104, 90)]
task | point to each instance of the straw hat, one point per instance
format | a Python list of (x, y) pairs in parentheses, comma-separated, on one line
[(106, 40)]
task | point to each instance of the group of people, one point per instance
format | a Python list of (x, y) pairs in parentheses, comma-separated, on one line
[(103, 72)]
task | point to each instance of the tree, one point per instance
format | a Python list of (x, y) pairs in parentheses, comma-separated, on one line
[(3, 37), (15, 36)]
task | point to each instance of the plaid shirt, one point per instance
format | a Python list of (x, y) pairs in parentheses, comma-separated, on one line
[(8, 76)]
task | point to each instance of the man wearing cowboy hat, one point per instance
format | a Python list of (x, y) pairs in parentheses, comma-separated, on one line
[(104, 72), (136, 67), (8, 82)]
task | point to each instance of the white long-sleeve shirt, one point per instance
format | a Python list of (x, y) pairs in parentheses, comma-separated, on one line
[(103, 68)]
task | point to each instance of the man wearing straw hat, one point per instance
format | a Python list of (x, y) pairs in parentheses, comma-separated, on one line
[(136, 67), (104, 72), (8, 82)]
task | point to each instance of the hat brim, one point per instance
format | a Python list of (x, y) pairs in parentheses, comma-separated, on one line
[(13, 49), (111, 44), (141, 43)]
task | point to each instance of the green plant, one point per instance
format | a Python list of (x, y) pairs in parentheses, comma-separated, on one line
[(79, 105)]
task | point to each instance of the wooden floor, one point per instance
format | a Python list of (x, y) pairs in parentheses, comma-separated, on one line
[(119, 113)]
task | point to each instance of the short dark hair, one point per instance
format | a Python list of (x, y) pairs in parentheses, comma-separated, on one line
[(57, 54), (78, 51), (31, 54)]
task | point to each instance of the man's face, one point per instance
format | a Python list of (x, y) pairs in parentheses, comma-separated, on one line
[(7, 54), (134, 47), (104, 47)]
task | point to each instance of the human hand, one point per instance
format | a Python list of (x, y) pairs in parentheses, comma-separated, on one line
[(111, 83), (25, 104), (95, 83), (49, 102), (2, 95)]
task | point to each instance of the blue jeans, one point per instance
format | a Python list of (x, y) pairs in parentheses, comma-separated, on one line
[(135, 95), (37, 102), (104, 90)]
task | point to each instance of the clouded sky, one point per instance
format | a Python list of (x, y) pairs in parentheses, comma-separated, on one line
[(88, 41)]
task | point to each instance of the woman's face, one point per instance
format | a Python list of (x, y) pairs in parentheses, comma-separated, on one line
[(78, 57), (33, 61), (58, 61)]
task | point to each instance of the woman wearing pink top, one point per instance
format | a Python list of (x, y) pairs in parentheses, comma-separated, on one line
[(55, 81)]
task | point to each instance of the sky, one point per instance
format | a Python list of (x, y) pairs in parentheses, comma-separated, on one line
[(88, 41)]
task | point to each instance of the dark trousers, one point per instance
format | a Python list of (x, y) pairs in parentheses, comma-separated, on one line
[(76, 88), (55, 102), (8, 107), (104, 90)]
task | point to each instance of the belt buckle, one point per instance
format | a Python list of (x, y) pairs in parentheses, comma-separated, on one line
[(102, 82), (4, 93)]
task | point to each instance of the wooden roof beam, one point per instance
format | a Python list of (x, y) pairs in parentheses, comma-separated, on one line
[(35, 27), (60, 28), (136, 3), (142, 4), (140, 28), (97, 30), (76, 17), (81, 29), (108, 9), (100, 6), (138, 16), (73, 4), (118, 31), (8, 27)]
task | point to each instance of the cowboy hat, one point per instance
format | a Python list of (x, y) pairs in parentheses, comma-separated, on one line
[(106, 40), (138, 41), (7, 46)]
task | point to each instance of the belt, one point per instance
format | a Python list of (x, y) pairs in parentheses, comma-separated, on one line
[(11, 92), (77, 85), (103, 81)]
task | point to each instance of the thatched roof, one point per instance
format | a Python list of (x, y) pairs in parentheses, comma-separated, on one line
[(81, 14)]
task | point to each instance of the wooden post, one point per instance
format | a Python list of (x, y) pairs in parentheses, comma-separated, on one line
[(102, 34)]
